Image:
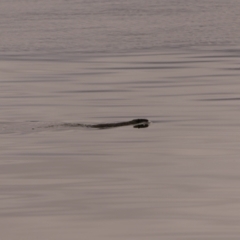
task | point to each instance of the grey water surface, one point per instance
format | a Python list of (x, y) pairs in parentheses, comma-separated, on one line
[(175, 63)]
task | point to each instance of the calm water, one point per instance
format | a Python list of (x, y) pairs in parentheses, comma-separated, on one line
[(173, 62)]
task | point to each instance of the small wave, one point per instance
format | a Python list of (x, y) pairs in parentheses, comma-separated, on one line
[(27, 127)]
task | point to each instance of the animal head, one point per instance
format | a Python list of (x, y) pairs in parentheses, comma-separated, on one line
[(140, 123)]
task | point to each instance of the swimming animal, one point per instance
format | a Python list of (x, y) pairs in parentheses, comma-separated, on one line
[(136, 123)]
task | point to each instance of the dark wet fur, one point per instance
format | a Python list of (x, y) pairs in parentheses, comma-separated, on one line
[(136, 123)]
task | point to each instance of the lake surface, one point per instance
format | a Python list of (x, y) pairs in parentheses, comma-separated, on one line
[(175, 63)]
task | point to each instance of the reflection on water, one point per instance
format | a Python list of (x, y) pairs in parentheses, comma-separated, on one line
[(178, 179)]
